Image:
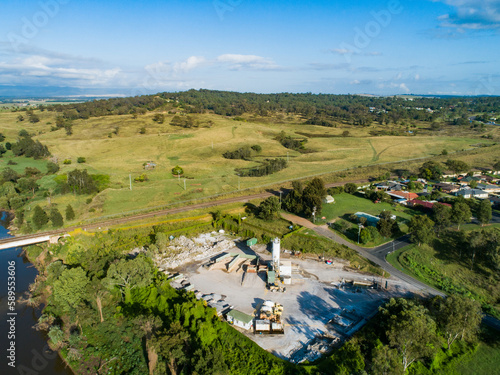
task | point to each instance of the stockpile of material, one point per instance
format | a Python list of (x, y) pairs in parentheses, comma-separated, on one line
[(183, 250)]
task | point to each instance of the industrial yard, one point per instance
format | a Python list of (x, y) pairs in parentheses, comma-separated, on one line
[(319, 305)]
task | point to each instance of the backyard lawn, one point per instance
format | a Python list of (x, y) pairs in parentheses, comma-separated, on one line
[(346, 204)]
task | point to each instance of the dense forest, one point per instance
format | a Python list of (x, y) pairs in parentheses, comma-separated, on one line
[(317, 109)]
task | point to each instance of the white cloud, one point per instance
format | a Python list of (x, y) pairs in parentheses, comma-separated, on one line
[(401, 86), (54, 69), (247, 62), (472, 14), (191, 63)]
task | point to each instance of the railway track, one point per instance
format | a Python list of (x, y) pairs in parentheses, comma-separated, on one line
[(168, 211)]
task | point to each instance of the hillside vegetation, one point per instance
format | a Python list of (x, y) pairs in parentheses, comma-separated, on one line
[(195, 129)]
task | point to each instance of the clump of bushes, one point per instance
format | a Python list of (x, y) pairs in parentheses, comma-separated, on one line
[(143, 177)]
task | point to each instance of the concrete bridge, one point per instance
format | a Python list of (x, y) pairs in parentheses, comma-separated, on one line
[(7, 243)]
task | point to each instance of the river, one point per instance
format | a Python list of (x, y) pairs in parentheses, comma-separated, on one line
[(31, 353)]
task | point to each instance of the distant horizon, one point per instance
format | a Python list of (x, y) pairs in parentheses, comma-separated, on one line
[(109, 95)]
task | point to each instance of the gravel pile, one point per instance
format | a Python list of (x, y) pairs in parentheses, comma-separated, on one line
[(184, 250)]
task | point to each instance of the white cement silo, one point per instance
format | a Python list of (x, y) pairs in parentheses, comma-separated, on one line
[(276, 253)]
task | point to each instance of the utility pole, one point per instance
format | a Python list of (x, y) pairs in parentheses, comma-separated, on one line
[(280, 197), (130, 181), (359, 231)]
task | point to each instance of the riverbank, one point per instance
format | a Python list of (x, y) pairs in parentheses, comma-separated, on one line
[(29, 348)]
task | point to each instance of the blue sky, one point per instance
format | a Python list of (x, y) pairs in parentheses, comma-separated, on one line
[(135, 47)]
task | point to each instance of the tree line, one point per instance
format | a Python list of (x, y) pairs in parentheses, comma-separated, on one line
[(317, 109)]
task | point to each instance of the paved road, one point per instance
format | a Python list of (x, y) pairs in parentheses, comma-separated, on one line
[(495, 219), (377, 255)]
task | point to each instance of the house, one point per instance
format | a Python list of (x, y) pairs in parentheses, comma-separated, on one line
[(329, 199), (449, 175), (489, 188), (403, 195), (426, 204), (240, 319), (472, 193), (388, 186), (491, 179), (446, 188), (467, 180)]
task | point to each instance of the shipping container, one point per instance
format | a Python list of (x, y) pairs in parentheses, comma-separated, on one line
[(251, 242)]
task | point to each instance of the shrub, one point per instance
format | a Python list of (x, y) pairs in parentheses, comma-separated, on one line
[(143, 177), (241, 153), (335, 190), (350, 188), (67, 161), (52, 168), (177, 170), (70, 214), (81, 159)]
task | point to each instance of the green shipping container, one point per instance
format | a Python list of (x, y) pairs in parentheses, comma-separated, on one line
[(251, 241)]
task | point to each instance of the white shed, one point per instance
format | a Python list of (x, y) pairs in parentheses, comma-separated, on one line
[(329, 199), (286, 268), (240, 319)]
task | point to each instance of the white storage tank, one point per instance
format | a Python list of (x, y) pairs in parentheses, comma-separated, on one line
[(276, 252)]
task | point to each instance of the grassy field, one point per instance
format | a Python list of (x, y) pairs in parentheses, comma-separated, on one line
[(112, 145), (346, 204), (486, 359), (438, 269), (21, 163)]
